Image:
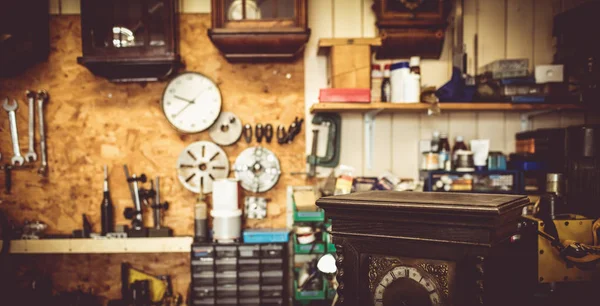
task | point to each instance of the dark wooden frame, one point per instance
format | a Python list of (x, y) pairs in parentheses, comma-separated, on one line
[(259, 40), (141, 63)]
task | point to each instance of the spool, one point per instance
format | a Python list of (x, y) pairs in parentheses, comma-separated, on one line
[(555, 183), (225, 195), (227, 225), (464, 161)]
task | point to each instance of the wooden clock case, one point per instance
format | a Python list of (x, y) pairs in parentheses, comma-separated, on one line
[(466, 242)]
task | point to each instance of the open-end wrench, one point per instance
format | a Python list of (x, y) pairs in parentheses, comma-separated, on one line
[(42, 98), (10, 108), (30, 156)]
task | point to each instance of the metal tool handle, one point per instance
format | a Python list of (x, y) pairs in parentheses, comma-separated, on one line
[(138, 220), (31, 103), (157, 203), (14, 135)]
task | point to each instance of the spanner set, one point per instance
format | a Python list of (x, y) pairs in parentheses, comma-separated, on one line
[(18, 160)]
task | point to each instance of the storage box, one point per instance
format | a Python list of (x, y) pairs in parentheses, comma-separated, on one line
[(358, 95), (266, 236), (350, 66)]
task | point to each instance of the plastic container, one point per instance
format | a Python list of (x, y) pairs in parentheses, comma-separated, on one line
[(398, 74), (376, 81), (271, 277), (251, 290), (266, 236), (270, 264), (310, 295), (249, 251), (249, 264), (226, 264), (272, 291), (330, 245), (249, 277), (226, 278), (226, 251), (412, 88), (312, 248), (271, 251)]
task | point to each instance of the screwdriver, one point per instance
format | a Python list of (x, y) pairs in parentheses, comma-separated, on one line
[(106, 209)]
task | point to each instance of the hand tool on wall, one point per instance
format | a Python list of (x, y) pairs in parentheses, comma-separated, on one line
[(257, 169), (42, 99), (135, 214), (30, 156), (268, 132), (157, 206), (247, 133), (107, 209), (10, 108), (259, 132), (293, 130), (333, 123), (227, 130), (200, 164)]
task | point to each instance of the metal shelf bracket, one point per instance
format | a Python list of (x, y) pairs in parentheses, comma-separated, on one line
[(369, 122)]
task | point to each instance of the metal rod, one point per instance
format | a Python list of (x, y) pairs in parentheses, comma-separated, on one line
[(157, 203), (138, 206), (127, 177)]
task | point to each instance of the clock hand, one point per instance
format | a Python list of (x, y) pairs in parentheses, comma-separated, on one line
[(182, 109), (182, 99)]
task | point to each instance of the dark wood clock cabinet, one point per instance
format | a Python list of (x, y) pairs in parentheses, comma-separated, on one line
[(412, 27), (255, 30), (130, 40), (427, 249)]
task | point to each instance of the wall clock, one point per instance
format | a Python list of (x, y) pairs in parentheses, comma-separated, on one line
[(236, 10), (191, 102), (412, 4)]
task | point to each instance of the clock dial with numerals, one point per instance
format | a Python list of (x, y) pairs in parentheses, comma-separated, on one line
[(407, 286), (191, 102)]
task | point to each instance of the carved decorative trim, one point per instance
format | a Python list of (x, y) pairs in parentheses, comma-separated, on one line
[(440, 273), (378, 266)]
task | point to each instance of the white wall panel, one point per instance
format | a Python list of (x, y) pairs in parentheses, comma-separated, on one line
[(70, 7), (519, 29), (54, 7), (347, 18), (369, 19), (490, 125), (195, 6), (491, 30), (462, 124), (405, 145)]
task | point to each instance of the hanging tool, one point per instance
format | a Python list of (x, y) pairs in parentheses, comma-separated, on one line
[(42, 99), (247, 133), (135, 214), (288, 136), (312, 158), (10, 108), (333, 122), (157, 206), (226, 130), (201, 163), (268, 132), (30, 156), (259, 133), (257, 169), (107, 224)]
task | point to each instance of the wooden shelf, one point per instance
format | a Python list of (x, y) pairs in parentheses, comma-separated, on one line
[(416, 107), (102, 246), (329, 42)]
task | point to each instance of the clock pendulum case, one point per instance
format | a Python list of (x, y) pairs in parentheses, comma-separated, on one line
[(428, 249)]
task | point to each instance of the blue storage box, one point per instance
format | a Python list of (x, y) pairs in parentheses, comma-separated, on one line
[(266, 236)]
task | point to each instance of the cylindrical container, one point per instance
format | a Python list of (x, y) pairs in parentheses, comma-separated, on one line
[(430, 161), (555, 183), (376, 81), (227, 225), (201, 221), (386, 87), (412, 88), (464, 161), (398, 73), (225, 195)]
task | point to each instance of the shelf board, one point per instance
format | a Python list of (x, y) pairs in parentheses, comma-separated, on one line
[(102, 246), (416, 107)]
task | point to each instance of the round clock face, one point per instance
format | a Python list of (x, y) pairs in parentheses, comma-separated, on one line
[(412, 4), (191, 102), (407, 286), (235, 11)]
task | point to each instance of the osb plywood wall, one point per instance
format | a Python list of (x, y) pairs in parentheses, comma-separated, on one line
[(91, 122)]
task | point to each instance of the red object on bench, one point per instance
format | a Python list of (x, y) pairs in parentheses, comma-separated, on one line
[(357, 95)]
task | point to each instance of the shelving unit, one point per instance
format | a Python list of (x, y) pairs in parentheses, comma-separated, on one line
[(102, 246), (450, 106)]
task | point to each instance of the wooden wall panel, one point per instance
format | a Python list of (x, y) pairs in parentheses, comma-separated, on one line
[(70, 7), (491, 30), (519, 29), (92, 122)]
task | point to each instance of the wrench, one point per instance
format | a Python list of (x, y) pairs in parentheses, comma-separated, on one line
[(10, 108), (42, 98), (30, 156)]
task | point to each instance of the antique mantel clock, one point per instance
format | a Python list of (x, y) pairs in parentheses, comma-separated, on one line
[(259, 30), (427, 249), (411, 27)]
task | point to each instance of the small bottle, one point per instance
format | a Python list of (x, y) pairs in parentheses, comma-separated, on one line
[(376, 81), (415, 65), (107, 222), (444, 157), (435, 142), (201, 220), (459, 144), (386, 86), (412, 88)]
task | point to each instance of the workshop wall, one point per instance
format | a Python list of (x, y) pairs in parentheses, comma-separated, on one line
[(506, 29), (92, 122)]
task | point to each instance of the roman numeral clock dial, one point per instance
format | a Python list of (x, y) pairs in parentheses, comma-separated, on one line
[(191, 102), (406, 286)]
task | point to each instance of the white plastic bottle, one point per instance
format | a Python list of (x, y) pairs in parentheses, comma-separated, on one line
[(399, 72), (412, 88)]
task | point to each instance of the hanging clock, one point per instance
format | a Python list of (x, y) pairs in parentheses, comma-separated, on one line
[(406, 285), (236, 10), (191, 102), (412, 4), (200, 164)]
